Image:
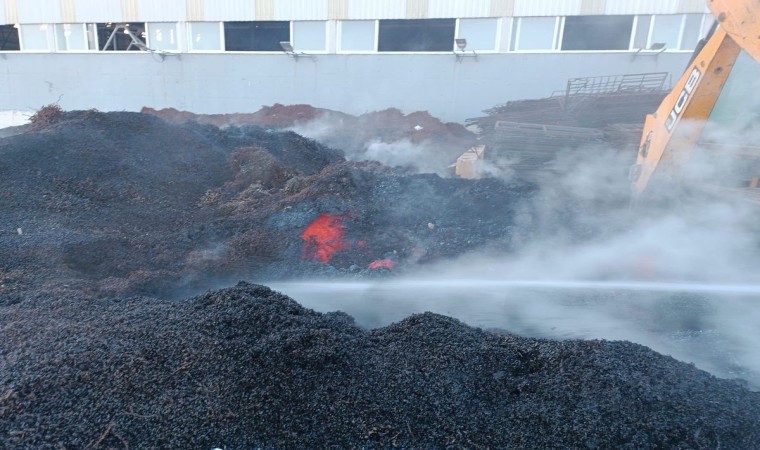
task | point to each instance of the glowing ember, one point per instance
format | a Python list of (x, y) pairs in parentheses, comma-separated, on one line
[(323, 238), (386, 263)]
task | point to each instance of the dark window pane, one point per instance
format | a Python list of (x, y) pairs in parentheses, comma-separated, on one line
[(260, 36), (9, 38), (111, 36), (597, 32), (425, 35)]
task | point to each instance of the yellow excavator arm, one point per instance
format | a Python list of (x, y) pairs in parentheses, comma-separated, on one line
[(671, 133)]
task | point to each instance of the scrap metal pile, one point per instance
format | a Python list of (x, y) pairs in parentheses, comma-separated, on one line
[(591, 113)]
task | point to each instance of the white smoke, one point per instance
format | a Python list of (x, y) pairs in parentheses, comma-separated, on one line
[(681, 279), (424, 156)]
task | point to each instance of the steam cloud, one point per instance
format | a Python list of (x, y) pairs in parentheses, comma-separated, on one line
[(422, 157), (681, 279)]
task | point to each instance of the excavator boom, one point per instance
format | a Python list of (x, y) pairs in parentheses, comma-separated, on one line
[(671, 133)]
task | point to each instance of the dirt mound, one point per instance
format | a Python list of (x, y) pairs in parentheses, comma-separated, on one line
[(247, 367), (416, 140)]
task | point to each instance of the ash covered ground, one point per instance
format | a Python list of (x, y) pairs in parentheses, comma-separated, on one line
[(111, 220)]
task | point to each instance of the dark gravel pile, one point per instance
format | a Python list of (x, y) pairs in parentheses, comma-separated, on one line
[(119, 204), (246, 367)]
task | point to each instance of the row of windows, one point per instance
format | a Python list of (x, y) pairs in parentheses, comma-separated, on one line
[(571, 33)]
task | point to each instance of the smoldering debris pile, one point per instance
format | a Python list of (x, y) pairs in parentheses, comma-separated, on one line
[(415, 140), (246, 367), (126, 203)]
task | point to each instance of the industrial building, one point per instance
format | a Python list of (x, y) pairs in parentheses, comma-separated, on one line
[(453, 58)]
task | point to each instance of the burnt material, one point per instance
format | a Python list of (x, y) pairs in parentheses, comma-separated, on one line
[(246, 367)]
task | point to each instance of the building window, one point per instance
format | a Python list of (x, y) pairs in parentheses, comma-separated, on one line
[(692, 31), (666, 29), (163, 36), (310, 36), (535, 33), (597, 33), (259, 36), (71, 37), (121, 36), (480, 34), (9, 38), (417, 35), (36, 37), (205, 36), (357, 35), (641, 32)]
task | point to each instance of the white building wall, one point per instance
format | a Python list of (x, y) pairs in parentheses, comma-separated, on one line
[(96, 10), (225, 83), (642, 7), (441, 9), (39, 11), (51, 11), (531, 8), (376, 9), (301, 10), (161, 11), (220, 10)]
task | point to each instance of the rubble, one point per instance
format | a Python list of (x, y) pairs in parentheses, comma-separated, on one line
[(591, 114), (110, 220), (246, 367), (427, 141), (126, 203)]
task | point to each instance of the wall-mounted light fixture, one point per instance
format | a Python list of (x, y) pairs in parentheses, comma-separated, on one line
[(459, 51), (655, 49), (287, 47)]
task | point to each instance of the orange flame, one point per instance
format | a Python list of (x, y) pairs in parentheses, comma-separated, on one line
[(386, 263), (323, 238)]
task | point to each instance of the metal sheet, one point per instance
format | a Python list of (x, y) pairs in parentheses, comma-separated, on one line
[(537, 8), (376, 9), (301, 10), (68, 11), (2, 12), (229, 10), (99, 11), (693, 6), (163, 11), (642, 7), (39, 11), (194, 10), (338, 9), (458, 8)]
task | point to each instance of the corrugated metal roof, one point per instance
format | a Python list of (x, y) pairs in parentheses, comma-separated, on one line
[(6, 18), (99, 11), (642, 7), (530, 8), (376, 9), (47, 11), (301, 10), (458, 8), (39, 11), (693, 6), (230, 10), (162, 11), (68, 11)]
